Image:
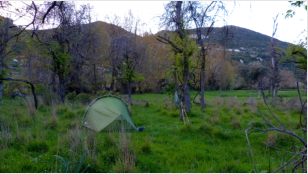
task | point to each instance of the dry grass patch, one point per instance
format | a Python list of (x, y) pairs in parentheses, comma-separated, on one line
[(271, 138), (236, 122), (30, 106), (127, 160), (219, 101), (232, 101)]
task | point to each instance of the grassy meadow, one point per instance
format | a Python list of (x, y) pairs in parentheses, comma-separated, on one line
[(213, 141)]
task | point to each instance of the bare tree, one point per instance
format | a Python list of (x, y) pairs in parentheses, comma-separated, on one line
[(201, 15), (273, 123), (60, 42), (274, 75)]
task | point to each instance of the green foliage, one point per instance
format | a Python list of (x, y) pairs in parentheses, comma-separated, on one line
[(40, 89), (147, 104), (60, 59), (69, 166), (146, 147), (71, 96), (130, 74), (297, 54), (69, 114), (183, 48), (84, 98), (172, 146), (291, 13), (38, 146), (3, 74)]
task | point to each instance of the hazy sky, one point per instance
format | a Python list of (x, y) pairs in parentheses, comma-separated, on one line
[(255, 15)]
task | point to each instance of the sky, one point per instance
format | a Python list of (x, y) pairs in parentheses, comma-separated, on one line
[(254, 15)]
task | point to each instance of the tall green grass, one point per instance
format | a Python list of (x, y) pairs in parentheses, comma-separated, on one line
[(214, 141)]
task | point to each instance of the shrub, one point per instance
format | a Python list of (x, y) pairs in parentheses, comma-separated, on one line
[(40, 89), (69, 114), (147, 104), (100, 93), (71, 96), (84, 98), (36, 146)]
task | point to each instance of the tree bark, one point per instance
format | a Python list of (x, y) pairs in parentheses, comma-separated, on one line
[(181, 113), (3, 38), (129, 91), (113, 76), (94, 73), (185, 86), (1, 83), (203, 77), (175, 82), (61, 87)]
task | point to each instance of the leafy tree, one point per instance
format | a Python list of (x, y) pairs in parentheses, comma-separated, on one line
[(176, 18)]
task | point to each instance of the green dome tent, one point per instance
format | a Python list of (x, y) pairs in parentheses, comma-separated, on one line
[(109, 113)]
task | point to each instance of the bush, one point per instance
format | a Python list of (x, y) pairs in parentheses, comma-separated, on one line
[(147, 104), (71, 96), (40, 89), (69, 114), (84, 98), (100, 93)]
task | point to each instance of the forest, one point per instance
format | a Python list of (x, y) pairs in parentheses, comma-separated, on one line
[(211, 99)]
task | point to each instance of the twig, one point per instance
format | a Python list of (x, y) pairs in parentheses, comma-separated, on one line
[(288, 161), (283, 150), (251, 149)]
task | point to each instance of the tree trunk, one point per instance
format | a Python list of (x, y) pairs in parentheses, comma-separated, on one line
[(251, 100), (129, 91), (139, 87), (61, 87), (113, 78), (203, 77), (181, 113), (94, 73), (3, 38), (186, 95), (175, 82), (1, 82)]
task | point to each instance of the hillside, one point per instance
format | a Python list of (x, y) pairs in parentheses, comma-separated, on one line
[(246, 45)]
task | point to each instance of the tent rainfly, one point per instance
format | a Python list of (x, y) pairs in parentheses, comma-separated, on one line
[(107, 112)]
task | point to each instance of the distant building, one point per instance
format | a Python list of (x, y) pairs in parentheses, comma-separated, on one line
[(259, 58), (194, 36)]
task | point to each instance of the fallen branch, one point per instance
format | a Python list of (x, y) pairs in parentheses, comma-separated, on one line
[(32, 87)]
